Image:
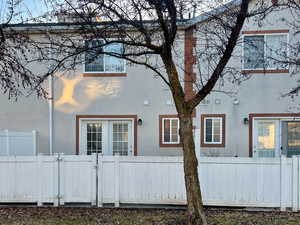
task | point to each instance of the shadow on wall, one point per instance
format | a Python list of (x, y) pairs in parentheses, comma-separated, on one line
[(78, 93)]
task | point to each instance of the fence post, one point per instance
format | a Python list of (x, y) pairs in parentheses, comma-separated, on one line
[(295, 188), (55, 179), (7, 142), (117, 180), (283, 183), (34, 143), (40, 179), (61, 176), (100, 181), (94, 170), (298, 178)]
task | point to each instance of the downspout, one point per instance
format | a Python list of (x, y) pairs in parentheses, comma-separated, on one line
[(50, 114), (50, 102)]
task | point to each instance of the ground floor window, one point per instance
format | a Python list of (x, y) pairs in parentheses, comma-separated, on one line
[(169, 131), (106, 136), (213, 130), (273, 137)]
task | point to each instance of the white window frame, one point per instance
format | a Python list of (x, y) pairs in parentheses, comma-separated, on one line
[(212, 132), (265, 49), (278, 127), (163, 131), (106, 138), (123, 60)]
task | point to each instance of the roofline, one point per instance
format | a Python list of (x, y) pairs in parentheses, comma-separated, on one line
[(182, 23), (216, 11), (74, 26)]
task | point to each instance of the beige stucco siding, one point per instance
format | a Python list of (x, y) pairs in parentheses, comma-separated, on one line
[(259, 93)]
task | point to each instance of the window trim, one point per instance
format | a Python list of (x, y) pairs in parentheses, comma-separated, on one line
[(203, 143), (80, 118), (103, 73), (254, 116), (221, 128), (161, 130), (263, 33)]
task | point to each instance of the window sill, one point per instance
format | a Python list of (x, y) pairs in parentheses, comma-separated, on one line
[(265, 71), (212, 145), (104, 74), (170, 145)]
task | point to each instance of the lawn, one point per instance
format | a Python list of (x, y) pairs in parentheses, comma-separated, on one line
[(92, 216)]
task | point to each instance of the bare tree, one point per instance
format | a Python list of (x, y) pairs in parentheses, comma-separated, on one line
[(15, 49), (148, 31)]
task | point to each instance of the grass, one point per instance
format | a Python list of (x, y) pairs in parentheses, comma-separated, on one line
[(92, 216)]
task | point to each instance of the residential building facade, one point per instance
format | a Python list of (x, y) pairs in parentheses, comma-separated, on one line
[(109, 107)]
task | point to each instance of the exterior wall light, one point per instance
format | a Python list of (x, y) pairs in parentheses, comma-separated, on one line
[(246, 121), (140, 122)]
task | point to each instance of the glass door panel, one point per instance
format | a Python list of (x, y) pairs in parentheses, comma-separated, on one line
[(291, 138), (120, 138), (265, 144), (94, 138)]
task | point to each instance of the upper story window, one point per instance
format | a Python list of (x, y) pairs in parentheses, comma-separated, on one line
[(96, 62), (213, 130), (265, 51)]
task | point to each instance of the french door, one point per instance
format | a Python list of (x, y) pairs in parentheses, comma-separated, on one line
[(107, 137), (276, 137)]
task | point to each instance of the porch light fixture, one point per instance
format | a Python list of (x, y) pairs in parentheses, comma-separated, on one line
[(140, 122), (246, 121)]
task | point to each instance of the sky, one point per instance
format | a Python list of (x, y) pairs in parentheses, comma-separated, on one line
[(27, 8)]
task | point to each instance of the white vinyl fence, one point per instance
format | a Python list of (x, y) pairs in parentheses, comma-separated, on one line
[(119, 180), (17, 143)]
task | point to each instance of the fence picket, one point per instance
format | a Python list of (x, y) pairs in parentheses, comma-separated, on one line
[(56, 178), (39, 171), (62, 178), (100, 181), (298, 183), (295, 188), (117, 180), (93, 169)]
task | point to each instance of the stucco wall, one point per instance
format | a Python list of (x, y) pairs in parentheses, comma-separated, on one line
[(78, 95), (259, 93)]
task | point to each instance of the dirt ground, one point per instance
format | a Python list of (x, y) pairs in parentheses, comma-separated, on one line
[(93, 216)]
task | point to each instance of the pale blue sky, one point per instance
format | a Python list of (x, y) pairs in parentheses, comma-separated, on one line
[(28, 8)]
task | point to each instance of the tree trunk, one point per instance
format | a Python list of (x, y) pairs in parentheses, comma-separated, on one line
[(195, 211)]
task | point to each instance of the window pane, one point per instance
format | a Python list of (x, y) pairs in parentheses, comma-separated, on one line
[(120, 138), (217, 130), (254, 52), (114, 64), (94, 138), (276, 51), (266, 135), (167, 134), (293, 134), (208, 130), (94, 60), (174, 130)]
